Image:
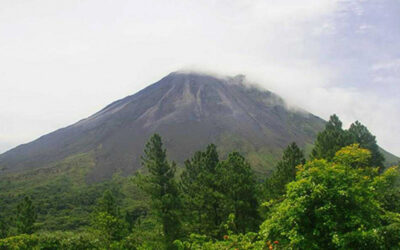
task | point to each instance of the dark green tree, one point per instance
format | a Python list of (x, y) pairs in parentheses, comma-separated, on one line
[(26, 216), (330, 140), (361, 135), (107, 218), (237, 184), (160, 185), (285, 171), (201, 196)]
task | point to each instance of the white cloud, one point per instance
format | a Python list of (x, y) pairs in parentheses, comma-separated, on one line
[(393, 64), (64, 60)]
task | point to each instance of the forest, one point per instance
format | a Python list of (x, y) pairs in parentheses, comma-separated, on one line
[(341, 196)]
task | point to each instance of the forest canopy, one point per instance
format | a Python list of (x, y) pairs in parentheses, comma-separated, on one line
[(341, 197)]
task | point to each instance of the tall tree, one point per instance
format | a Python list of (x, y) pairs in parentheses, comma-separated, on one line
[(361, 135), (161, 186), (200, 195), (330, 140), (285, 171), (237, 184), (26, 216)]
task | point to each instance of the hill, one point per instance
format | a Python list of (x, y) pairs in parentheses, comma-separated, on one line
[(189, 110)]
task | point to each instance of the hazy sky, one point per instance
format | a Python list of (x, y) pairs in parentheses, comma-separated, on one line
[(61, 61)]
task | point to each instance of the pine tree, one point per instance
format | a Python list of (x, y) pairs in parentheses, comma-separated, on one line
[(285, 171), (161, 186), (200, 195), (330, 140), (237, 184), (26, 216), (360, 134)]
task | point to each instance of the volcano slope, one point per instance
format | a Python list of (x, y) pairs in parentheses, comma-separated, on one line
[(189, 110)]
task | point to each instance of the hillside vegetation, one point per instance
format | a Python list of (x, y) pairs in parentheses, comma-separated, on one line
[(340, 197)]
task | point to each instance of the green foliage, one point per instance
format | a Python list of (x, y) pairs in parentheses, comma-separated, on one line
[(107, 218), (160, 185), (339, 200), (108, 204), (26, 216), (330, 140), (212, 190), (64, 197), (65, 200), (55, 240), (3, 228), (285, 171), (135, 216), (200, 193), (360, 134), (145, 235), (234, 241), (332, 206), (112, 228), (353, 156), (334, 138), (230, 240), (261, 159), (388, 186), (238, 188)]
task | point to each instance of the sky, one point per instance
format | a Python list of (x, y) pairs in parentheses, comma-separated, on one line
[(61, 61)]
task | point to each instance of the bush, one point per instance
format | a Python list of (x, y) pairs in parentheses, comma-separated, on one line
[(56, 240)]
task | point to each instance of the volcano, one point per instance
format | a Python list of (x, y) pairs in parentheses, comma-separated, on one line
[(189, 111)]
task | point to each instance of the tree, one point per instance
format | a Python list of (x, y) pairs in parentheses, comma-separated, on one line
[(214, 190), (333, 205), (111, 227), (26, 216), (161, 186), (108, 204), (135, 216), (388, 187), (107, 217), (200, 194), (361, 135), (330, 140), (237, 184), (353, 156), (285, 171)]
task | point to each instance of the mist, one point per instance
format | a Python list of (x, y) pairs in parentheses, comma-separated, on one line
[(63, 61)]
